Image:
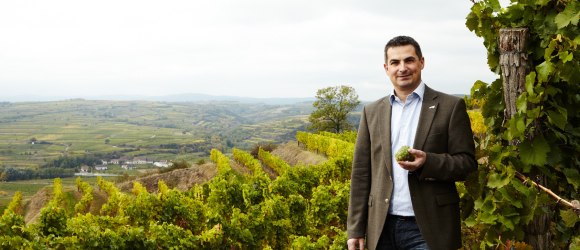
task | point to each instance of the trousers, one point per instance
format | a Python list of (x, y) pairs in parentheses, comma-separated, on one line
[(401, 233)]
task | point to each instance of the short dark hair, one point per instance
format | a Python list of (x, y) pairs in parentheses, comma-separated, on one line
[(402, 41)]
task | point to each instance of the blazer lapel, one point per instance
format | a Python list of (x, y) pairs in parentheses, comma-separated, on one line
[(428, 111), (385, 132)]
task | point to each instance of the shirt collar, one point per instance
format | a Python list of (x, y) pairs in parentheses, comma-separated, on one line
[(419, 91)]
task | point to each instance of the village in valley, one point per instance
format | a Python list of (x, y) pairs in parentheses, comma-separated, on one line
[(126, 163)]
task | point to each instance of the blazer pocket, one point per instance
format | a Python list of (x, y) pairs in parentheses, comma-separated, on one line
[(370, 201), (446, 199), (435, 133), (435, 136)]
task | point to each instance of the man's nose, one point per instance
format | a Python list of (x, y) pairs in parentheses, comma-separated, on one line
[(402, 67)]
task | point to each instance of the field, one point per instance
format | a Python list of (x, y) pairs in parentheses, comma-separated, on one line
[(34, 133)]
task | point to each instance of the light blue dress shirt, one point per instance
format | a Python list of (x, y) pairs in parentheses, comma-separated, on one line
[(404, 121)]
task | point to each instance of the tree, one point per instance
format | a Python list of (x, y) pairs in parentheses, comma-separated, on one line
[(333, 104)]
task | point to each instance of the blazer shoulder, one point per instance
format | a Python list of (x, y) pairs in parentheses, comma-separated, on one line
[(443, 96)]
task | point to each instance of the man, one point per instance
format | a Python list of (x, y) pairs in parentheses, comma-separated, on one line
[(409, 204)]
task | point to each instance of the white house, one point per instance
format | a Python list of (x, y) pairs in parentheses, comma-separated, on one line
[(127, 167), (139, 161), (162, 164), (101, 167)]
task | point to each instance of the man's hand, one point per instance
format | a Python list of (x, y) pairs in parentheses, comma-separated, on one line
[(356, 243), (420, 158)]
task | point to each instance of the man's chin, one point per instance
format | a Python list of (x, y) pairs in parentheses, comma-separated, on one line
[(406, 84)]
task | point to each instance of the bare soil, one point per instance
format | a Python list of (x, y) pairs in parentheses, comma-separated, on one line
[(296, 155), (182, 179)]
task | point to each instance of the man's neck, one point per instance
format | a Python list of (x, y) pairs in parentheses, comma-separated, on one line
[(402, 95)]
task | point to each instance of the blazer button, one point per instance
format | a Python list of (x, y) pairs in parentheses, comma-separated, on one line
[(387, 200)]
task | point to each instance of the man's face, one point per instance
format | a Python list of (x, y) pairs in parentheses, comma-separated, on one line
[(404, 67)]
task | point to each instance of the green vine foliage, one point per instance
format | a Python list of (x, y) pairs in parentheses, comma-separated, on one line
[(303, 207), (270, 160), (546, 127), (83, 205)]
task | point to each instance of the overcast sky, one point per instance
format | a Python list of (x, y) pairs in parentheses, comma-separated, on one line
[(253, 48)]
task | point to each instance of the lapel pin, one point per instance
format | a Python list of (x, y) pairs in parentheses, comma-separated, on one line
[(432, 107)]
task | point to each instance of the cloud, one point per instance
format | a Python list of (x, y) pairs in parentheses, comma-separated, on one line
[(253, 48)]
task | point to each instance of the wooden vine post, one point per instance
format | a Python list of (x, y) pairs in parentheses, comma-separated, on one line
[(514, 64), (513, 60)]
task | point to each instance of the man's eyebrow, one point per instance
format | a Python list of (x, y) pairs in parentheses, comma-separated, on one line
[(404, 59)]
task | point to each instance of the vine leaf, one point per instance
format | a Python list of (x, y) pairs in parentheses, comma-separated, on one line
[(570, 15), (550, 49), (573, 177), (569, 217), (530, 80), (522, 103), (575, 243), (557, 118), (542, 2), (565, 56), (544, 70), (472, 20), (516, 127), (497, 180), (494, 5), (534, 153)]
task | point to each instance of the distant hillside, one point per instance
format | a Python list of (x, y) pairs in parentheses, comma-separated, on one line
[(188, 97), (32, 133), (206, 98)]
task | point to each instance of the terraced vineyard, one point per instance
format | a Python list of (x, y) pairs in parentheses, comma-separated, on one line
[(298, 206)]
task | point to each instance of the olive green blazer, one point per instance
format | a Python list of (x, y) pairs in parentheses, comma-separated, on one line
[(444, 133)]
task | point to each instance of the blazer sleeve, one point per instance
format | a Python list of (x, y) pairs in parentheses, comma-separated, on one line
[(360, 182), (458, 159)]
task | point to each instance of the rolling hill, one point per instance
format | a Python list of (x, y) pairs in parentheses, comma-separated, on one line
[(33, 133)]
